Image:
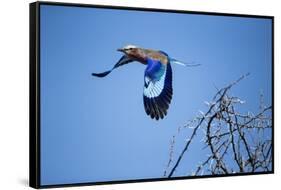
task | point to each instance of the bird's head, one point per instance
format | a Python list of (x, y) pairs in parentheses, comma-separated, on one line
[(129, 50)]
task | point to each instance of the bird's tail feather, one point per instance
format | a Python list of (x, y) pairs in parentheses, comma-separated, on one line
[(192, 64)]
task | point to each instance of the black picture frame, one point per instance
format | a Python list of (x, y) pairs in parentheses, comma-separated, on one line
[(34, 92)]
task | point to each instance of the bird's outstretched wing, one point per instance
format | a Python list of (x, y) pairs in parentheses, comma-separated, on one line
[(158, 89), (122, 61)]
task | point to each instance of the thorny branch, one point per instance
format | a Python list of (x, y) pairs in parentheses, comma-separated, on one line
[(237, 142)]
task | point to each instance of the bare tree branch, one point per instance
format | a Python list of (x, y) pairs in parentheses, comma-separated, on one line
[(237, 142)]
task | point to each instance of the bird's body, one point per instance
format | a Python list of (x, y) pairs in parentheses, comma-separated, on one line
[(158, 89), (142, 55)]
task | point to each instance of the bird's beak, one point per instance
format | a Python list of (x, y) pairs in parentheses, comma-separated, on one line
[(120, 49)]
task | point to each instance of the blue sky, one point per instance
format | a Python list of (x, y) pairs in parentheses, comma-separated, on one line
[(96, 129)]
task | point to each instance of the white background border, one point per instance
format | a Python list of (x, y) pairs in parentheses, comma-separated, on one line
[(14, 94)]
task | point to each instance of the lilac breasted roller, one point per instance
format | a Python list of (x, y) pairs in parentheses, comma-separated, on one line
[(158, 87)]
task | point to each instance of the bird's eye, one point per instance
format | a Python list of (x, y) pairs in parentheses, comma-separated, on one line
[(128, 48)]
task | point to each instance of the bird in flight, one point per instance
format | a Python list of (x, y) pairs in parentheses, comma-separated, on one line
[(158, 88)]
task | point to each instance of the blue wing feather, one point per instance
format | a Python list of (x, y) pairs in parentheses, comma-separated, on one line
[(158, 89), (154, 70)]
